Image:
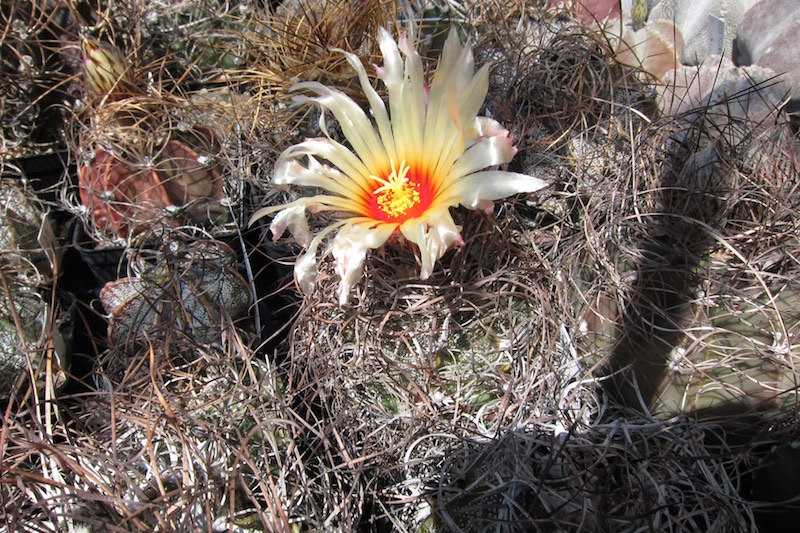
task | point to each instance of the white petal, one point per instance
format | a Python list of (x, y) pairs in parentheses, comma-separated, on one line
[(290, 172), (294, 219), (377, 105), (305, 271), (355, 124), (335, 153), (414, 231), (492, 185), (350, 250), (442, 234), (305, 267)]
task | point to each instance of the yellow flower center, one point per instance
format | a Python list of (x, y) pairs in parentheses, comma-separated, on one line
[(397, 193)]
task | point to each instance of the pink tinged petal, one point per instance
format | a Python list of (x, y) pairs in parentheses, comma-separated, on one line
[(487, 127), (294, 219), (487, 206), (350, 250), (485, 153), (355, 124), (305, 271), (434, 235), (493, 185)]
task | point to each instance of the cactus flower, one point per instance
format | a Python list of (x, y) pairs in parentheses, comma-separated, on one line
[(405, 168)]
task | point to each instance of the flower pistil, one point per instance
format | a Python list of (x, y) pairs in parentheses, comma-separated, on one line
[(398, 196)]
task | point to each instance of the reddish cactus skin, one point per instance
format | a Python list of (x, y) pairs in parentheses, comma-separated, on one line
[(124, 198), (119, 196)]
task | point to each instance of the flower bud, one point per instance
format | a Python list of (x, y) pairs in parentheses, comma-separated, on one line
[(104, 68)]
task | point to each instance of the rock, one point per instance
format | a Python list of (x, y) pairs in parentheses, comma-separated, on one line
[(769, 37), (589, 11), (750, 94), (655, 48), (700, 22)]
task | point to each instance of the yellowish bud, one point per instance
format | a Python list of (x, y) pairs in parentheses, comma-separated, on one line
[(639, 13)]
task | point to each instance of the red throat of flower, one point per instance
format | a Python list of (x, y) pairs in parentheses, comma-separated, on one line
[(402, 195)]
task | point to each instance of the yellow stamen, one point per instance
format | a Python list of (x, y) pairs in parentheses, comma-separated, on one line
[(397, 194)]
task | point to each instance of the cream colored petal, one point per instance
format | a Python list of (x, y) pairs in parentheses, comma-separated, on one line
[(455, 66), (455, 99), (350, 250), (326, 202), (443, 141), (441, 128), (462, 109), (355, 124), (471, 190), (407, 102), (472, 96), (294, 219), (454, 82)]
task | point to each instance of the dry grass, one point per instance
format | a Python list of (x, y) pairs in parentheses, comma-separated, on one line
[(294, 42), (191, 440)]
